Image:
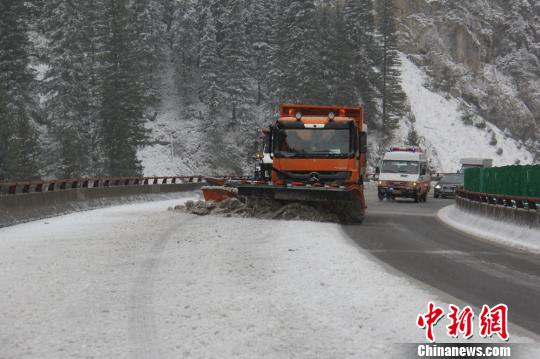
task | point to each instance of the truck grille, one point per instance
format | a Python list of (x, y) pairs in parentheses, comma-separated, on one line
[(312, 176)]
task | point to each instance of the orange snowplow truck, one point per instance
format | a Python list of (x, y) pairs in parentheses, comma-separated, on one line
[(319, 155)]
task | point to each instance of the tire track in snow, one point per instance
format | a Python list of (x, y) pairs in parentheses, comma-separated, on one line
[(142, 330)]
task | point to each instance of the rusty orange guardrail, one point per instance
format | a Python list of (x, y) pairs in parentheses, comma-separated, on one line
[(531, 203), (37, 186)]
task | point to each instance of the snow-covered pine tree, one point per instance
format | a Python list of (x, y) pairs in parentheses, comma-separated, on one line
[(337, 58), (259, 32), (95, 29), (235, 53), (302, 78), (360, 29), (123, 98), (18, 133), (393, 97), (66, 87), (279, 58), (182, 33), (328, 62), (4, 128), (148, 42), (210, 64)]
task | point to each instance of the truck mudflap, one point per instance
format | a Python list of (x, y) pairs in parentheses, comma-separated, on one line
[(348, 203)]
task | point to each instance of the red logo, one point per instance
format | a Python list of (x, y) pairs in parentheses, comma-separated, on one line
[(491, 321), (429, 320), (494, 321), (460, 322)]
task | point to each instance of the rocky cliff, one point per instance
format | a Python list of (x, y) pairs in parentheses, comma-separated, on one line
[(486, 54)]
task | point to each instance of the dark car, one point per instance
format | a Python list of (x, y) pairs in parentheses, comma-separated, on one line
[(447, 185)]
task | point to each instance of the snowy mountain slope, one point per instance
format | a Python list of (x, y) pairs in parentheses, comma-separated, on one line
[(439, 123), (165, 155), (443, 133), (484, 53), (184, 142)]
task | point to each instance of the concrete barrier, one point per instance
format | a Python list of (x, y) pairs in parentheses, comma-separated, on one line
[(33, 206), (518, 216)]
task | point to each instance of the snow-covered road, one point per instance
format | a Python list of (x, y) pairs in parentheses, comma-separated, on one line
[(140, 281)]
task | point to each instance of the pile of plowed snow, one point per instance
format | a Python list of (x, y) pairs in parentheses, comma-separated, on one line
[(259, 208)]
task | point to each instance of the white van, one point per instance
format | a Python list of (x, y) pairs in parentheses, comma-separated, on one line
[(404, 173)]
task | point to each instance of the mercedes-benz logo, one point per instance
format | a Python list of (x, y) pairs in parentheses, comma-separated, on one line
[(314, 177)]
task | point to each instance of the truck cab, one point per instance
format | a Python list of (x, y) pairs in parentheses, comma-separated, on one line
[(319, 145), (318, 157), (475, 163), (404, 173)]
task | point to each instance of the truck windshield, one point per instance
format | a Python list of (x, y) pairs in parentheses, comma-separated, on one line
[(313, 142), (394, 166)]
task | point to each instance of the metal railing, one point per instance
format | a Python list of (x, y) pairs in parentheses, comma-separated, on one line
[(21, 187), (508, 201)]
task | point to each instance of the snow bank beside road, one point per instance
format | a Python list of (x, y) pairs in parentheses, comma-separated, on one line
[(516, 236)]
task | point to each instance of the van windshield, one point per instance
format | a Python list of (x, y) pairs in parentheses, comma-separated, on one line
[(394, 166)]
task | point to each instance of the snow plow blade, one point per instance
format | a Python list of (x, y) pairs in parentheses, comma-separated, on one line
[(218, 193), (347, 203)]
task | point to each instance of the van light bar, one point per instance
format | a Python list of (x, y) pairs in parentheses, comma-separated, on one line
[(405, 149)]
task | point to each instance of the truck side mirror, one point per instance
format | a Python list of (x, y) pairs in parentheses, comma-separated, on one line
[(363, 142)]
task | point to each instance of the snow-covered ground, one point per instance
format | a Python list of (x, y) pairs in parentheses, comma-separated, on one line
[(509, 234), (174, 133), (446, 137), (141, 281)]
